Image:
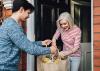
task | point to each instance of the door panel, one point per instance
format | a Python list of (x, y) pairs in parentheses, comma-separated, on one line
[(46, 14)]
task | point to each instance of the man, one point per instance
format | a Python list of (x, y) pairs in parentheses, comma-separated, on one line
[(12, 38)]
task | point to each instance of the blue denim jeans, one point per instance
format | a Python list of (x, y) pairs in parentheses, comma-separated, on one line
[(74, 63)]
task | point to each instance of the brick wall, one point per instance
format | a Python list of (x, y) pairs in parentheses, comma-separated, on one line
[(96, 32)]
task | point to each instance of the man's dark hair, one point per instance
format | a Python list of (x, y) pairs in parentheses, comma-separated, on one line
[(22, 3)]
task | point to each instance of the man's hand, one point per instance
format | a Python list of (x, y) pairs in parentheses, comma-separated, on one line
[(53, 49), (46, 42), (53, 43)]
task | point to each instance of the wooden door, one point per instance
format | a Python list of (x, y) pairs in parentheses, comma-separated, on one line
[(46, 14), (81, 12)]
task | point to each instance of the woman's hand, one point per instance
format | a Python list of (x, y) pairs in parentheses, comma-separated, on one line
[(46, 42), (61, 54)]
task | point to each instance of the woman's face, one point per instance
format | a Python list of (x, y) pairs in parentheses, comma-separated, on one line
[(64, 24)]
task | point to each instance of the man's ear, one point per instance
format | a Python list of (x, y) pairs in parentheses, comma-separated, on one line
[(21, 9)]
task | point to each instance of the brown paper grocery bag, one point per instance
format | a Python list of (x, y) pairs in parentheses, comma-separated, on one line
[(39, 63), (50, 67), (61, 66)]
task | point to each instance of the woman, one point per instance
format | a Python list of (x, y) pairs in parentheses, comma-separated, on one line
[(70, 36)]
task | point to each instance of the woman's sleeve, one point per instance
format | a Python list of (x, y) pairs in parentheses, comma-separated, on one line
[(56, 35), (77, 41), (20, 40)]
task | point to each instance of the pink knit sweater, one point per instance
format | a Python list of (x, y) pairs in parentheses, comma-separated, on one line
[(71, 39)]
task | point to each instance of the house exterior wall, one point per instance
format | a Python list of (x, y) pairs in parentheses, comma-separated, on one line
[(96, 35)]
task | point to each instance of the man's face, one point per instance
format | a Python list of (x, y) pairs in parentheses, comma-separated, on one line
[(24, 15)]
